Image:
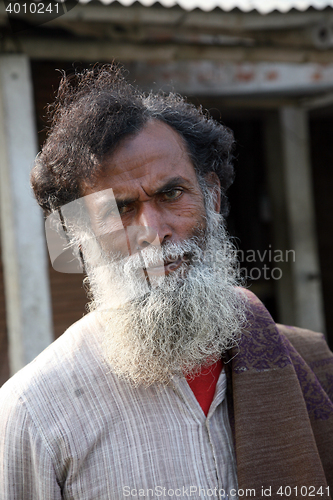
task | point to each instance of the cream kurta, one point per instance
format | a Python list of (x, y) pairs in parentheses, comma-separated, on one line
[(69, 428)]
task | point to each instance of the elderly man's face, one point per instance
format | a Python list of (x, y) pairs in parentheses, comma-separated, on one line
[(157, 193), (164, 223)]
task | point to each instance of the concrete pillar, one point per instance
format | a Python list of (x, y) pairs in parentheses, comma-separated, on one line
[(28, 303), (289, 174), (284, 287)]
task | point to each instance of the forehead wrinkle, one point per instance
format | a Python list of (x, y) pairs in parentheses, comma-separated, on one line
[(145, 161), (141, 162), (158, 150), (148, 181)]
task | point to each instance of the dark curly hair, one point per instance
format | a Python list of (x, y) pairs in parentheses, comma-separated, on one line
[(97, 108)]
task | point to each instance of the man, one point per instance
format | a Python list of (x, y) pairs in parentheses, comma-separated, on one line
[(177, 383)]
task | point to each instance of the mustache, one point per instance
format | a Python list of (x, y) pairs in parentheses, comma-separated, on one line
[(164, 254)]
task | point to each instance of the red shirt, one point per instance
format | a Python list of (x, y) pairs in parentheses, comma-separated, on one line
[(204, 384)]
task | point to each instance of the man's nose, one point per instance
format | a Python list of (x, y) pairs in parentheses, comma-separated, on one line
[(151, 227), (146, 236)]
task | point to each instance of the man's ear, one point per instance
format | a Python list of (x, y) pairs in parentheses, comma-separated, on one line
[(213, 183)]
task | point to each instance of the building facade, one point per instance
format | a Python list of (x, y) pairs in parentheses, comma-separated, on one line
[(265, 69)]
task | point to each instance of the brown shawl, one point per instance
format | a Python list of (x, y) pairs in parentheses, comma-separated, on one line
[(280, 393)]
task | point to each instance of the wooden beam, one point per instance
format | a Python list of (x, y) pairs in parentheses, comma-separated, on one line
[(246, 79), (23, 243), (81, 49), (316, 102)]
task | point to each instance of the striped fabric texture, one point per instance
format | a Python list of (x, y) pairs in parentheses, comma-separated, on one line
[(70, 429)]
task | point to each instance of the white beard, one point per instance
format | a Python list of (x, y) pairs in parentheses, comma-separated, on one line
[(177, 323)]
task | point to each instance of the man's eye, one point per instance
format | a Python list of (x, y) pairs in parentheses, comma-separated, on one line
[(172, 194), (112, 212), (116, 211), (124, 209)]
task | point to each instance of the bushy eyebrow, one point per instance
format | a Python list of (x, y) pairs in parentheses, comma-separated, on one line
[(167, 186), (172, 184)]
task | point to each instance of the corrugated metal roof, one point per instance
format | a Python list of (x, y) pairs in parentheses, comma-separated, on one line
[(262, 6)]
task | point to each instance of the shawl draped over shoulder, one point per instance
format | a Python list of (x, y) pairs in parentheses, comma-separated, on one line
[(280, 393)]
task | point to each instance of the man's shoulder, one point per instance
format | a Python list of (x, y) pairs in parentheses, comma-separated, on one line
[(60, 392), (310, 345), (57, 406), (305, 341), (75, 350)]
